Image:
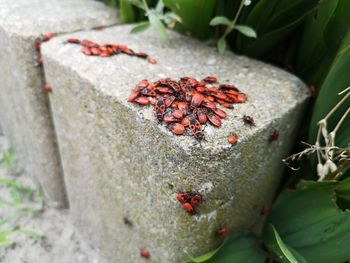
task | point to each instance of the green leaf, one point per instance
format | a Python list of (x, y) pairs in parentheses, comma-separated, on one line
[(343, 190), (246, 30), (126, 12), (276, 244), (206, 256), (312, 45), (337, 79), (158, 26), (243, 249), (140, 27), (222, 45), (195, 15), (274, 21), (309, 221), (220, 20), (4, 239)]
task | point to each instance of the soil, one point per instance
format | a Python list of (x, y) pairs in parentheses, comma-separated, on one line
[(40, 235)]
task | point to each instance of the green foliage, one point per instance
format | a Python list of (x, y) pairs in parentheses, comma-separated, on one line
[(305, 226), (241, 249)]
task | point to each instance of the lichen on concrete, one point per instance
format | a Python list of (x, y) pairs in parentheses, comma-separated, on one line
[(24, 109), (119, 161)]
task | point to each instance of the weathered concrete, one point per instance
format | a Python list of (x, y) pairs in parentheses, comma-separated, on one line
[(24, 110), (118, 161)]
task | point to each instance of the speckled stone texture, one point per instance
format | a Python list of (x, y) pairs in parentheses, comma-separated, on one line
[(24, 109), (120, 162)]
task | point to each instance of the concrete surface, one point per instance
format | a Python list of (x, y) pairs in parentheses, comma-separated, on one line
[(118, 161), (24, 110)]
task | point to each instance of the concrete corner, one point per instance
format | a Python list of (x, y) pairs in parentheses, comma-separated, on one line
[(119, 162)]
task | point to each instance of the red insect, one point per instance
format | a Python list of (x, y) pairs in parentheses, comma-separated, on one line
[(127, 221), (196, 100), (232, 138), (188, 208), (141, 55), (248, 120), (185, 104), (214, 119), (183, 197), (142, 100), (196, 200), (47, 36), (73, 40), (220, 113), (178, 114), (228, 86), (201, 115), (152, 61), (274, 136), (196, 128), (210, 79), (47, 88), (312, 89), (159, 109), (265, 210), (222, 231), (185, 121), (144, 253)]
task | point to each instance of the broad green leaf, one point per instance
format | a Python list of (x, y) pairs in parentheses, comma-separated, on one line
[(158, 26), (195, 15), (140, 27), (309, 221), (343, 190), (220, 20), (312, 45), (207, 256), (274, 21), (222, 45), (276, 244), (126, 12), (337, 79), (246, 30), (242, 249)]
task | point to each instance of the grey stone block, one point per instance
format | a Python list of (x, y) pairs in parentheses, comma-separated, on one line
[(24, 109), (118, 161)]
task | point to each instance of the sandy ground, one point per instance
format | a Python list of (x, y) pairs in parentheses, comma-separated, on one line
[(39, 235)]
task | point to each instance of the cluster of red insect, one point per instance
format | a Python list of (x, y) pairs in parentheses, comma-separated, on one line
[(39, 61), (90, 48), (189, 200), (188, 102), (42, 38)]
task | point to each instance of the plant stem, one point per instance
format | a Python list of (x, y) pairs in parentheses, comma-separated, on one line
[(232, 26), (336, 106), (341, 121)]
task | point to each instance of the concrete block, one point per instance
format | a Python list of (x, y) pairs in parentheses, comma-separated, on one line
[(24, 109), (120, 162)]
